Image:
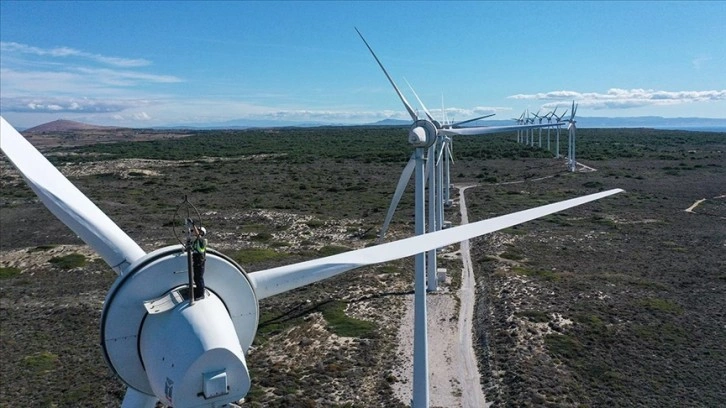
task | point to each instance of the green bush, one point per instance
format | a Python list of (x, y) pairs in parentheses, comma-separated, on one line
[(256, 255), (41, 362), (343, 325), (7, 272), (329, 250), (69, 261)]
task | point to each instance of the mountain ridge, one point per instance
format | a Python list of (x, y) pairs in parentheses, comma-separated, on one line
[(655, 122)]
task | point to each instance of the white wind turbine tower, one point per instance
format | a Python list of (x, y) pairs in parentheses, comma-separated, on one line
[(536, 115), (559, 123), (549, 120), (530, 120), (572, 128), (520, 121)]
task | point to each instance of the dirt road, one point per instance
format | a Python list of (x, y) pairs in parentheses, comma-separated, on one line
[(471, 390)]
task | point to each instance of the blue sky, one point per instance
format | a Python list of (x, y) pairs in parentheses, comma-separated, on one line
[(166, 63)]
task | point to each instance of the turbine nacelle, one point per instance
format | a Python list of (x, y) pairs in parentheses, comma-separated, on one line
[(162, 346), (422, 133)]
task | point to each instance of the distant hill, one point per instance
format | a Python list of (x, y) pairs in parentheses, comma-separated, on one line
[(62, 125), (654, 122)]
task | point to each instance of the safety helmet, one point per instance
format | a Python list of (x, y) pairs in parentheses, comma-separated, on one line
[(203, 231)]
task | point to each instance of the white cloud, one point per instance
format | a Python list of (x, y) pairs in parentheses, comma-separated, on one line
[(65, 52), (617, 98), (59, 104), (699, 61)]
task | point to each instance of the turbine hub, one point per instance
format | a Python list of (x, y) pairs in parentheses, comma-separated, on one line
[(127, 326), (422, 133)]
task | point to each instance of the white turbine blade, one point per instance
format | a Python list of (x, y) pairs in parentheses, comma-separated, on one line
[(563, 115), (428, 114), (68, 203), (449, 150), (443, 111), (441, 153), (410, 110), (402, 183), (472, 120), (472, 131), (137, 399), (274, 281)]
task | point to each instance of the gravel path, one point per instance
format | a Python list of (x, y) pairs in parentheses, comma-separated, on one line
[(454, 378), (471, 392)]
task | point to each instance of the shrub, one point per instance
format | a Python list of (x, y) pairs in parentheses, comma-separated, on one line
[(256, 255), (343, 325), (69, 261), (8, 272), (41, 362)]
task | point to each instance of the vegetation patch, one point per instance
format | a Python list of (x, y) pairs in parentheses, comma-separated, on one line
[(563, 345), (536, 316), (7, 272), (388, 269), (512, 254), (661, 305), (69, 261), (539, 273), (205, 189), (665, 334), (592, 184), (624, 279), (592, 323), (256, 255), (262, 237), (270, 325), (344, 325), (329, 250), (254, 228), (41, 362), (42, 248), (315, 223)]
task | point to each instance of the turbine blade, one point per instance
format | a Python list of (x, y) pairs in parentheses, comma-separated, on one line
[(443, 111), (441, 153), (450, 149), (486, 130), (68, 203), (428, 114), (137, 399), (410, 110), (472, 120), (274, 281), (402, 183)]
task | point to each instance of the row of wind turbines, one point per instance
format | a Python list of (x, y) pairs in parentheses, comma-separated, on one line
[(526, 137), (430, 163)]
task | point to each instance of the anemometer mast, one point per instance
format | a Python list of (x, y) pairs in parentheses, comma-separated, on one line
[(189, 227)]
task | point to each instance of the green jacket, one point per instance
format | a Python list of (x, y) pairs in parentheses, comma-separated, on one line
[(200, 245)]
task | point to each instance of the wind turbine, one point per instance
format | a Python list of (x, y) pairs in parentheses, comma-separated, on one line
[(536, 115), (549, 120), (530, 136), (520, 121), (572, 128), (559, 123), (193, 355)]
